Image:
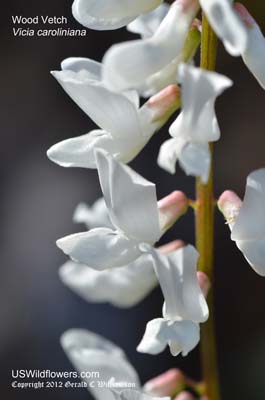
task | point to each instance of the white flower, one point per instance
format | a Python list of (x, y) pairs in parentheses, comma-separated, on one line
[(168, 75), (254, 54), (226, 24), (110, 14), (125, 128), (196, 125), (184, 307), (129, 65), (247, 220), (89, 352), (147, 24), (132, 204), (130, 394), (122, 287), (93, 217)]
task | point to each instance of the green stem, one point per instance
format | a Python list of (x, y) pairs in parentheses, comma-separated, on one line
[(205, 237)]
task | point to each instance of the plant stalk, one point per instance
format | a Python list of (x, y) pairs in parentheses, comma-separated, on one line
[(205, 238)]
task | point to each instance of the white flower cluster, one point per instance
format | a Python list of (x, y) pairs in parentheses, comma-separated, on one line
[(116, 260)]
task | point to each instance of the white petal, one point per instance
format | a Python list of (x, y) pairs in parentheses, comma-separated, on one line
[(111, 14), (79, 151), (113, 112), (154, 340), (226, 24), (195, 159), (95, 216), (197, 124), (181, 336), (131, 199), (177, 275), (168, 155), (168, 75), (193, 298), (254, 55), (130, 394), (128, 65), (100, 248), (250, 223), (147, 24), (89, 352), (254, 252), (200, 89), (123, 287), (184, 336), (77, 64)]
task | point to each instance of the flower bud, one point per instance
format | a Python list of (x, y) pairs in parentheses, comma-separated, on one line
[(164, 103), (185, 396), (171, 208), (229, 204), (165, 384), (172, 246), (204, 283), (192, 42)]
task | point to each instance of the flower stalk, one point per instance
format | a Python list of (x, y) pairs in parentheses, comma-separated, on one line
[(204, 213)]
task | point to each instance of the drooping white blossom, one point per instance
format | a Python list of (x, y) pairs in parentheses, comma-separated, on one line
[(132, 205), (196, 125), (177, 275), (247, 219), (124, 127), (89, 352), (254, 54), (226, 24), (122, 287), (129, 65), (185, 306), (110, 14), (168, 75)]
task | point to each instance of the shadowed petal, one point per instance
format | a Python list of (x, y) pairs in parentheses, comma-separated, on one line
[(123, 287), (226, 24), (254, 54)]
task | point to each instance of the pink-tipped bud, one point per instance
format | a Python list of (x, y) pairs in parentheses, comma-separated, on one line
[(164, 103), (171, 208), (204, 283), (165, 384), (188, 5), (172, 246), (229, 204), (185, 396), (197, 24), (245, 15)]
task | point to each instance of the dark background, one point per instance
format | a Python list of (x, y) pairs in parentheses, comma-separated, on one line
[(38, 198)]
